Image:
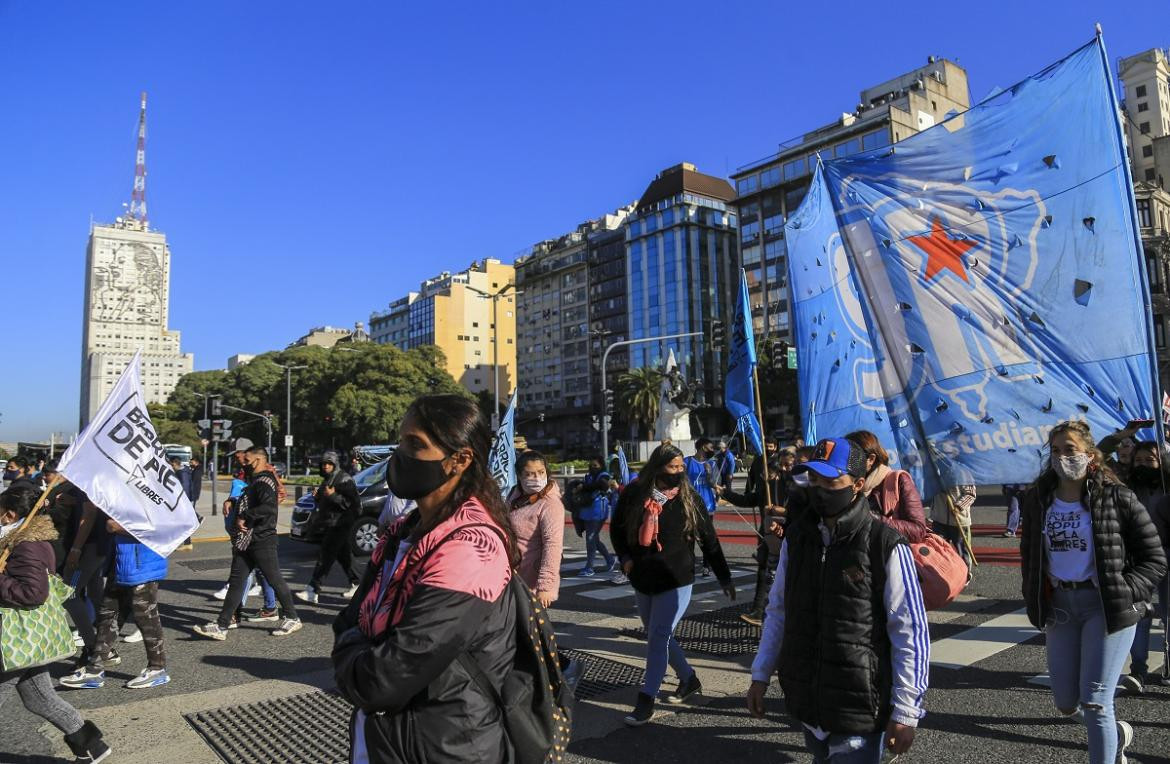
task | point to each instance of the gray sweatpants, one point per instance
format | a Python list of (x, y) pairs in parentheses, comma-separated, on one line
[(35, 687)]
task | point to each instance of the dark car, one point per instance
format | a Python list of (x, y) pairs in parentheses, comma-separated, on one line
[(363, 535)]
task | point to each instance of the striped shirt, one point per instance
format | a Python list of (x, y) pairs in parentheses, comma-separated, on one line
[(905, 624)]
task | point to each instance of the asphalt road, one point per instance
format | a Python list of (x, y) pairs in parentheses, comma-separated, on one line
[(987, 709)]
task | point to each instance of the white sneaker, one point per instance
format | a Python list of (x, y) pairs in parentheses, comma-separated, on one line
[(255, 590), (132, 637), (221, 594), (287, 626), (149, 678), (308, 595), (212, 631), (77, 640), (348, 593), (619, 579), (1124, 738)]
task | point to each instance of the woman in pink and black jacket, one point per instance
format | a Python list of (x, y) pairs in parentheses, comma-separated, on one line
[(436, 589)]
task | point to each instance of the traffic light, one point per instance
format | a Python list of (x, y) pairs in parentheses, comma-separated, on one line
[(779, 354), (216, 408), (718, 338), (221, 429), (609, 402)]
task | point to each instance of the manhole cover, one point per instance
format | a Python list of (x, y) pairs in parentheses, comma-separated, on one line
[(601, 675), (718, 632), (312, 728)]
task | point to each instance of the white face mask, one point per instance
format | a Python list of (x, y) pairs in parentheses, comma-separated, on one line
[(1071, 467), (6, 529), (534, 485)]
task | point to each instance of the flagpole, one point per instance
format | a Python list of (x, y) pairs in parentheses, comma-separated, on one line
[(57, 478), (763, 437)]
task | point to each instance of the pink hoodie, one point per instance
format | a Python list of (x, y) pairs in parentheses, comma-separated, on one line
[(540, 535)]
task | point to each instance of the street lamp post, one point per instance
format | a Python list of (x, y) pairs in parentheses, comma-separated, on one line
[(288, 415), (494, 296), (604, 358)]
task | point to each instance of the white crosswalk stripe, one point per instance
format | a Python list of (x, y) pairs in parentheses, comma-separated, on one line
[(981, 642), (612, 592)]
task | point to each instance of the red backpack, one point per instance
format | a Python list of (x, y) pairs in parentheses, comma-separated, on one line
[(941, 571)]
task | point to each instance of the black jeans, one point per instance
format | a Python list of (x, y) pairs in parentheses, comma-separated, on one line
[(767, 558), (261, 554), (335, 548), (89, 583)]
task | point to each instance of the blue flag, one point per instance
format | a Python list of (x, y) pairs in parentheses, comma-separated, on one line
[(502, 460), (959, 293), (623, 470), (739, 394)]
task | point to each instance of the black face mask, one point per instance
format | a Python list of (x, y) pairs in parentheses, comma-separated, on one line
[(829, 502), (411, 478), (1147, 476), (10, 475), (670, 479)]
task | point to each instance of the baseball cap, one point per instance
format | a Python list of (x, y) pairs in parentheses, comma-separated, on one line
[(242, 444), (834, 458)]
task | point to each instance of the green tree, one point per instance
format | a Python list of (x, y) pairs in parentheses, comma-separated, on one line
[(348, 395), (171, 430), (638, 393)]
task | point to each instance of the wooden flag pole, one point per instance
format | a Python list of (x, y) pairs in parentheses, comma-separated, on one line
[(760, 421), (57, 478)]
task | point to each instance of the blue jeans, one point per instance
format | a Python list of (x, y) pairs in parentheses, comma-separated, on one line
[(1139, 652), (594, 544), (845, 749), (265, 588), (1013, 517), (1084, 664), (660, 614)]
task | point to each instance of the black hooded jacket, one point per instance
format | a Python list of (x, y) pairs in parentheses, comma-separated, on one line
[(343, 505)]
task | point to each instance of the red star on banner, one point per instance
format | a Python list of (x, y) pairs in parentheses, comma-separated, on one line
[(942, 252)]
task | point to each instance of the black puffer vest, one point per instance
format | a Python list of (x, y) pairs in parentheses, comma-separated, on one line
[(835, 660)]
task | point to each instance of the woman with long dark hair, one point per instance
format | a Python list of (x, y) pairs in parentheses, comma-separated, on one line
[(1089, 560), (436, 589), (658, 518), (1149, 479), (893, 497)]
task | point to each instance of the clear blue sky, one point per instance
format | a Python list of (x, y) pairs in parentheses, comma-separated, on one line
[(309, 162)]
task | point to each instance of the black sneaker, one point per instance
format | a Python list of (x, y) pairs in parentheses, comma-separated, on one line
[(1132, 683), (685, 690), (643, 710), (261, 615)]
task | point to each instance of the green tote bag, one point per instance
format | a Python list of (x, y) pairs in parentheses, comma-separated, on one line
[(37, 636)]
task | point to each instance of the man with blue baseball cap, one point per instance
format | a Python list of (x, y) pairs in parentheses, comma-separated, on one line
[(852, 660)]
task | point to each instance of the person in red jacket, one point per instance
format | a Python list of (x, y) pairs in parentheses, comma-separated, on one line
[(24, 583)]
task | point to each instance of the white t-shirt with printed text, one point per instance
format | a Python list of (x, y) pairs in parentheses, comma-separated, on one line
[(1068, 542)]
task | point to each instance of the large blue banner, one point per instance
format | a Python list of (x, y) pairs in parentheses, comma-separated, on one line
[(963, 291)]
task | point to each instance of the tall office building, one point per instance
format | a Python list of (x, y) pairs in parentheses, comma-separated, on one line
[(555, 346), (453, 311), (1145, 80), (127, 288), (680, 247), (770, 190), (1153, 212)]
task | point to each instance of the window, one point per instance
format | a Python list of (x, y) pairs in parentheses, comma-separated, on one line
[(1147, 151), (747, 185), (1151, 174), (770, 177), (476, 325), (1155, 274), (1143, 210), (1140, 92), (750, 256), (1143, 106), (795, 168), (1144, 127)]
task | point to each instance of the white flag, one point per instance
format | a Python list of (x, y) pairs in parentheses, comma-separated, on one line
[(502, 460), (119, 462)]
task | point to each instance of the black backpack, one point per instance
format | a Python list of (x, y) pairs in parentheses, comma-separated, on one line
[(535, 701)]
